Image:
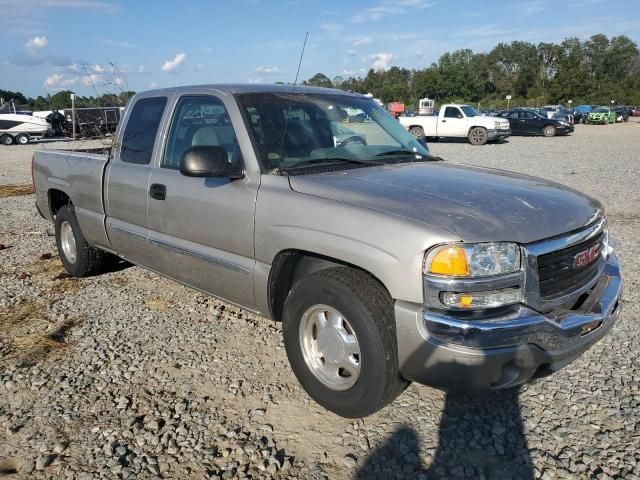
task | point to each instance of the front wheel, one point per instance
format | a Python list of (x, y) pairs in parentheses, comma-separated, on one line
[(339, 335), (478, 136), (549, 131)]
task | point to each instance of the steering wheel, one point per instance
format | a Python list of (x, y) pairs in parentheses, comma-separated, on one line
[(353, 139)]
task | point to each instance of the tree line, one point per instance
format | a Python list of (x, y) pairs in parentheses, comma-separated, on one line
[(595, 71)]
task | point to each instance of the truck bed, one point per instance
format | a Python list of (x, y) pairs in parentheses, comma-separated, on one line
[(73, 174)]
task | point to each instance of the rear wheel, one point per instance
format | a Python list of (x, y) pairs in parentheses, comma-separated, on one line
[(339, 335), (6, 139), (549, 131), (78, 257), (478, 136), (417, 132), (22, 139)]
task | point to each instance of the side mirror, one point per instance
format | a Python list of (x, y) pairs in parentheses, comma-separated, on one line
[(208, 161)]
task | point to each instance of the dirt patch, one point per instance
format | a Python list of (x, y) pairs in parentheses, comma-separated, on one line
[(13, 318), (66, 285), (158, 304), (15, 190)]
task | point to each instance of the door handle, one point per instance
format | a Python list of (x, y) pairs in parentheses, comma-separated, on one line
[(158, 191), (444, 121)]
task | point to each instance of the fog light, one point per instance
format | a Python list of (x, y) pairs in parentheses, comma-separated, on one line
[(477, 300)]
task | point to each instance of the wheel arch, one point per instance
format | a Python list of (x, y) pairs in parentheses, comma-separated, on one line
[(57, 199), (484, 127), (291, 265)]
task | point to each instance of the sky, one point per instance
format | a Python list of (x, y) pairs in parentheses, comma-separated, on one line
[(53, 45)]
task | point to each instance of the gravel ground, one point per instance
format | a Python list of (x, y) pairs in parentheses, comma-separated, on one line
[(128, 375)]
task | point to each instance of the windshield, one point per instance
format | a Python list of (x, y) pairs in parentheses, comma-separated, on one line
[(469, 111), (291, 130), (601, 110)]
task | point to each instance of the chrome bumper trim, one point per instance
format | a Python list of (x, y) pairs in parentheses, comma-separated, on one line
[(553, 331)]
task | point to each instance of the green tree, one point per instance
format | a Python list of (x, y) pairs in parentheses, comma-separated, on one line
[(319, 80)]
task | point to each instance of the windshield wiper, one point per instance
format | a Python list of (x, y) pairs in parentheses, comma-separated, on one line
[(330, 160), (395, 153)]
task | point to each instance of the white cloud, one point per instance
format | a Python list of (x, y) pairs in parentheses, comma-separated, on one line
[(381, 61), (419, 4), (59, 81), (199, 67), (154, 85), (377, 13), (362, 41), (117, 43), (90, 80), (142, 70), (171, 65), (37, 43), (330, 27), (265, 69)]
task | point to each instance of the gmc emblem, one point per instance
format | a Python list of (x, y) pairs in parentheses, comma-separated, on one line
[(585, 257)]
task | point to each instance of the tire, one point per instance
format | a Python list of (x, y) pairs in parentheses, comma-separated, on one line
[(478, 136), (22, 139), (6, 139), (606, 121), (365, 312), (549, 131), (87, 259), (417, 132)]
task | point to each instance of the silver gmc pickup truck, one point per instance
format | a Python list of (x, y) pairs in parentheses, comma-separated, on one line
[(315, 207)]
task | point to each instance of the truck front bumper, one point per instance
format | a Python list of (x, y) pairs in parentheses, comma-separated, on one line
[(494, 134), (452, 354)]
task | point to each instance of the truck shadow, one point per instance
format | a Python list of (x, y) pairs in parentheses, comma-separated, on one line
[(478, 437)]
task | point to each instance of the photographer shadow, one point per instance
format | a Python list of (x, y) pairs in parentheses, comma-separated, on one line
[(479, 436)]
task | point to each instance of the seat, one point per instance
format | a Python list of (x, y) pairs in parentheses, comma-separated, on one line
[(205, 136)]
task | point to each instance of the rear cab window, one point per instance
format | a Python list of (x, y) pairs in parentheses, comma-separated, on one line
[(452, 112), (141, 130)]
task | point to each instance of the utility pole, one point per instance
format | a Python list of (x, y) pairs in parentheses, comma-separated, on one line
[(73, 116)]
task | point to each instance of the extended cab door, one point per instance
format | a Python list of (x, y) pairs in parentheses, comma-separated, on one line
[(201, 230), (452, 123), (127, 179)]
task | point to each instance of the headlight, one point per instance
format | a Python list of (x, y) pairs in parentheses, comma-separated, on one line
[(566, 124), (472, 260)]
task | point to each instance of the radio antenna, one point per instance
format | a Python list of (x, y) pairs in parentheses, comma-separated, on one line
[(295, 84), (300, 62)]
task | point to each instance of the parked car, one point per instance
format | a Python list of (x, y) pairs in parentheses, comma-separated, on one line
[(635, 112), (551, 110), (622, 113), (525, 121), (384, 265), (603, 115), (581, 112), (565, 115), (460, 121)]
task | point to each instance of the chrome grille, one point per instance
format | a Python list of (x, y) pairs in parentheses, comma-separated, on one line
[(559, 276)]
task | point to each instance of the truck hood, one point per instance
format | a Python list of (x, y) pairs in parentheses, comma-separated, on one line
[(472, 203)]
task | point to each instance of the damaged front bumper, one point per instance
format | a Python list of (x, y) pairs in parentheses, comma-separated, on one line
[(454, 354)]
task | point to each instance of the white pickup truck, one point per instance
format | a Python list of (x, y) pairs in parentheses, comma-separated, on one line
[(458, 121)]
